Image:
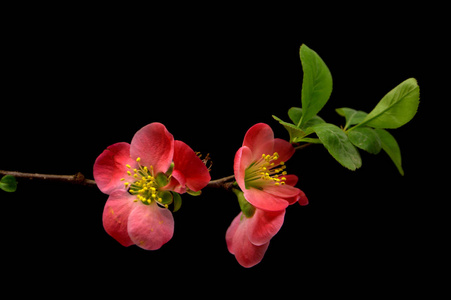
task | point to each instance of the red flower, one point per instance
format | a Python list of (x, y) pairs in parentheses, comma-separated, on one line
[(248, 237), (267, 190), (142, 179), (260, 170)]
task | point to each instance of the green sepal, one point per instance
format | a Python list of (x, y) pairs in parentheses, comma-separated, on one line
[(162, 179), (177, 201), (8, 183), (171, 169), (166, 197), (193, 193), (247, 208)]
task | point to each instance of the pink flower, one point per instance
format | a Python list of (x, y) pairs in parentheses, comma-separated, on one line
[(260, 170), (267, 190), (248, 236), (142, 179)]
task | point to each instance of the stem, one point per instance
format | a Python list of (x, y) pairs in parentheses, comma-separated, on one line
[(225, 183), (352, 128), (302, 146), (79, 179), (300, 121), (74, 179), (356, 126)]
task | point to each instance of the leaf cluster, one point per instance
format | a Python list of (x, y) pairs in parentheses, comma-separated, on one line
[(364, 131)]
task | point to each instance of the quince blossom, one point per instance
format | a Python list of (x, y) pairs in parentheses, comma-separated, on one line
[(267, 190), (142, 178)]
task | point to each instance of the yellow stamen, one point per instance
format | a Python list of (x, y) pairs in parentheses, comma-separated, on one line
[(144, 187), (266, 168)]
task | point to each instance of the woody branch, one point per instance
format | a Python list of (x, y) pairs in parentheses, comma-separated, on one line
[(79, 179)]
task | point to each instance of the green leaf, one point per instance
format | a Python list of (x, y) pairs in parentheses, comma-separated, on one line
[(177, 201), (390, 146), (338, 145), (295, 114), (397, 108), (366, 139), (352, 116), (8, 183), (316, 84), (296, 134)]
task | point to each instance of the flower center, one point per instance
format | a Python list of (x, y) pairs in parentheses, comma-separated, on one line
[(146, 185), (265, 169)]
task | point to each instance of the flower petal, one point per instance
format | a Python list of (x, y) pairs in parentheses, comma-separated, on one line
[(154, 145), (285, 150), (260, 139), (191, 166), (265, 201), (246, 253), (303, 200), (110, 167), (291, 180), (115, 216), (249, 255), (231, 233), (150, 226), (264, 225), (281, 191), (176, 184), (243, 158), (301, 197)]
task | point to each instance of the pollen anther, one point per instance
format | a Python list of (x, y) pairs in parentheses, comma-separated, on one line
[(145, 187), (266, 168)]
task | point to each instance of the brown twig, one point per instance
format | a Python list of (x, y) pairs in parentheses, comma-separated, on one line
[(225, 183), (302, 146), (74, 179), (79, 179)]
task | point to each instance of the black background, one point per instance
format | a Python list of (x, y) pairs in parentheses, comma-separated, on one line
[(75, 83)]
